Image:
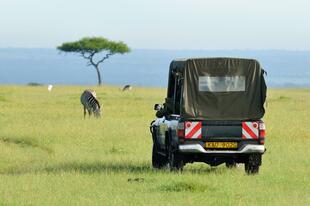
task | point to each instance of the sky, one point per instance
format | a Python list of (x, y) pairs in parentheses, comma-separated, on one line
[(158, 24)]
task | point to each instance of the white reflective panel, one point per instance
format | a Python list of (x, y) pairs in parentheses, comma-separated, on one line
[(222, 84)]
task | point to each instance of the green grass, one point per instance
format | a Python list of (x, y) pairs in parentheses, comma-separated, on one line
[(50, 155)]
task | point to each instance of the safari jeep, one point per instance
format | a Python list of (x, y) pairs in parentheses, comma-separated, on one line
[(212, 114)]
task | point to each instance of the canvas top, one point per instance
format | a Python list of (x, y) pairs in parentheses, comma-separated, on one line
[(217, 88)]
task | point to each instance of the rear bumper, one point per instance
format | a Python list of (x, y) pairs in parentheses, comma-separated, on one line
[(197, 148)]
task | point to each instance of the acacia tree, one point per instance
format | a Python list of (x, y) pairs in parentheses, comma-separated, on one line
[(91, 48)]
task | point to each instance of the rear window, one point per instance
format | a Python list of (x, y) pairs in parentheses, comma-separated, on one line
[(222, 84)]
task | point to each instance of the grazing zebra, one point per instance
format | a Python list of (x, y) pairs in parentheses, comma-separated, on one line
[(127, 87), (90, 103)]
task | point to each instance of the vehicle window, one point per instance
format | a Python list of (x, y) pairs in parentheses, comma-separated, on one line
[(222, 84)]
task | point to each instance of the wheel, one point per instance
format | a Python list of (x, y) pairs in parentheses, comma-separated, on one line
[(251, 169), (175, 160), (231, 164), (158, 161), (253, 163)]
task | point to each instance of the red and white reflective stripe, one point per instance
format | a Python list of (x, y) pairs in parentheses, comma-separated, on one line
[(250, 130), (193, 130)]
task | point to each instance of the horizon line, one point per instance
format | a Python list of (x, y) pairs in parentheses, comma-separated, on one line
[(190, 49)]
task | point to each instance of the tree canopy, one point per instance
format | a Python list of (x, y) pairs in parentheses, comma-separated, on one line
[(88, 47), (94, 44)]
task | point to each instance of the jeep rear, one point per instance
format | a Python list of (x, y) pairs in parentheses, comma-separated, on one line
[(212, 114)]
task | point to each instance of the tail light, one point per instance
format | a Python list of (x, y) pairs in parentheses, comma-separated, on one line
[(262, 132), (181, 130)]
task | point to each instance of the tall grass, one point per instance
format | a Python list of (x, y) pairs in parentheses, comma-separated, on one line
[(50, 155)]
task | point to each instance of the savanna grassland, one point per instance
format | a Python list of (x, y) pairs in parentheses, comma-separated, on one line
[(50, 155)]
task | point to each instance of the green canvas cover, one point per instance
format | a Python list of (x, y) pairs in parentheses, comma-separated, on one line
[(221, 88)]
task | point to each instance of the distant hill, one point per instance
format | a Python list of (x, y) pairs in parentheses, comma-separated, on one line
[(141, 67)]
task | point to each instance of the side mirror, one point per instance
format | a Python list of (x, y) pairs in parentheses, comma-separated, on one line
[(157, 107)]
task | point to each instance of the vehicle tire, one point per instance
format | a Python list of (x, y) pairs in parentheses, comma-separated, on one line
[(175, 160), (231, 164), (158, 161), (252, 164)]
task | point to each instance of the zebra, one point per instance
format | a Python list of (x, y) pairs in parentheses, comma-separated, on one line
[(127, 87), (90, 103)]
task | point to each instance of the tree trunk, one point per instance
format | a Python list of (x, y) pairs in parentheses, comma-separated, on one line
[(99, 75)]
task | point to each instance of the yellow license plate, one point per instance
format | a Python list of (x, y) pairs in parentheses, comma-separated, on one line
[(233, 145)]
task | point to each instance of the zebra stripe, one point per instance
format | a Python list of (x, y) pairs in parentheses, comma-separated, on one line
[(90, 103)]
